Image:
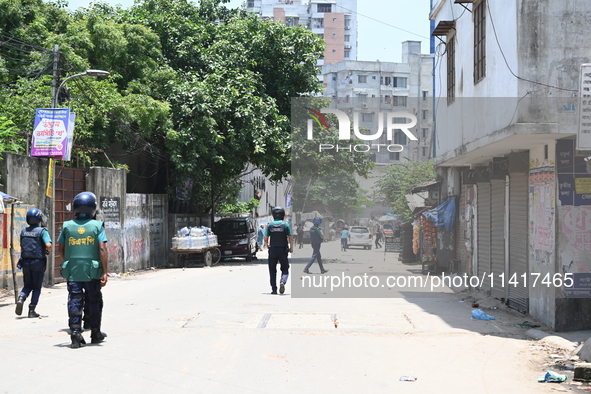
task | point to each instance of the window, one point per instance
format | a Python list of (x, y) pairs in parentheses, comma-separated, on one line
[(425, 93), (347, 24), (425, 115), (334, 35), (424, 134), (399, 136), (399, 82), (451, 69), (334, 51), (324, 8), (347, 38), (362, 98), (250, 3), (367, 117), (394, 155), (388, 81), (362, 78), (424, 151), (347, 53), (400, 101), (479, 41), (318, 23), (387, 99)]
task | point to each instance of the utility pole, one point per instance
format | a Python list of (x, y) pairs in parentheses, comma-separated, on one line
[(51, 170)]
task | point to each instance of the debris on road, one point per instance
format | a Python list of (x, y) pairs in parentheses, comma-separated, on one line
[(552, 377), (480, 315)]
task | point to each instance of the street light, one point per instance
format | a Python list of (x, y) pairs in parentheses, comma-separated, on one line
[(55, 93), (87, 73)]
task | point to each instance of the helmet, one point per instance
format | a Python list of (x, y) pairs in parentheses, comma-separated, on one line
[(317, 221), (84, 205), (278, 213), (34, 216)]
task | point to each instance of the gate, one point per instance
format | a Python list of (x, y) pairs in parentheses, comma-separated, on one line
[(68, 183)]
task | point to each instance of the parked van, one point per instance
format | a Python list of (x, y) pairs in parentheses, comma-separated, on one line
[(236, 237)]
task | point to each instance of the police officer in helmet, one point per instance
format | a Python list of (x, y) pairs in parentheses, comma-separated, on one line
[(35, 244), (316, 239), (83, 245), (279, 241)]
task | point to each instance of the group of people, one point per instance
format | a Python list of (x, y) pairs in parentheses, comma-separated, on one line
[(83, 245)]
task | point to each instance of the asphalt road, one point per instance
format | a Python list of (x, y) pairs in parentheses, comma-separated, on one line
[(219, 330)]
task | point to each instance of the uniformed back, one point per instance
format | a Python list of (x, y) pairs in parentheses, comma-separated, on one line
[(277, 234), (31, 243)]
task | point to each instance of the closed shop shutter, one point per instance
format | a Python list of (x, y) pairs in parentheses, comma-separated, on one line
[(518, 239), (497, 236), (483, 235)]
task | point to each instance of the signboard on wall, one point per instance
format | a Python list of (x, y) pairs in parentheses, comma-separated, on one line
[(110, 208), (584, 132)]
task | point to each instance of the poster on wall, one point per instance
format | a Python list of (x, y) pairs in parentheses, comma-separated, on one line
[(50, 134), (574, 174), (542, 214), (110, 208)]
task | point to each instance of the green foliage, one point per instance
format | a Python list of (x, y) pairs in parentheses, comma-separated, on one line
[(399, 180), (8, 137), (238, 207)]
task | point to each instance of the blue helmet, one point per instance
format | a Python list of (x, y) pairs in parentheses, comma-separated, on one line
[(34, 216), (84, 205), (317, 221), (278, 213)]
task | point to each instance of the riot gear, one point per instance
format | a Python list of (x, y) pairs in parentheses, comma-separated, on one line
[(278, 213), (84, 205), (34, 216)]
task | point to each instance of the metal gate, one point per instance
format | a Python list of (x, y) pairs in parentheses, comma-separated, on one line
[(497, 236), (68, 183), (483, 228), (518, 239)]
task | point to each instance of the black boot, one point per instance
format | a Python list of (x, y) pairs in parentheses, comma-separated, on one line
[(77, 340), (19, 305), (32, 312), (96, 336)]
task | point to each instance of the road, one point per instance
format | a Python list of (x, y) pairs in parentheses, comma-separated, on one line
[(219, 330)]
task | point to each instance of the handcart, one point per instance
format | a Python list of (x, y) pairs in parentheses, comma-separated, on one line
[(208, 255)]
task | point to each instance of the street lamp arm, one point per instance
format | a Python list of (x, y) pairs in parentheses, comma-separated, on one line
[(87, 73)]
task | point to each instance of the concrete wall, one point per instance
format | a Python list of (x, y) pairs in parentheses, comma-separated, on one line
[(109, 186), (542, 234)]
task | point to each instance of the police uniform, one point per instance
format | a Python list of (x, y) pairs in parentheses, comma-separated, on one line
[(82, 269), (33, 246), (315, 240), (278, 232)]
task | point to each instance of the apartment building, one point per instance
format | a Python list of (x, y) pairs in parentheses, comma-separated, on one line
[(334, 21)]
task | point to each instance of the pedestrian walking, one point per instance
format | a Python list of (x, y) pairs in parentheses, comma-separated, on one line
[(344, 238), (316, 238), (260, 237), (379, 236), (300, 234), (279, 240), (35, 245), (83, 244)]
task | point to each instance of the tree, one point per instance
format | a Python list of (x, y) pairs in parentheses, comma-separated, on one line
[(399, 180)]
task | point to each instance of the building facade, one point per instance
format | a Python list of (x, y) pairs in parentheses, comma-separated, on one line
[(333, 21), (507, 112), (373, 88)]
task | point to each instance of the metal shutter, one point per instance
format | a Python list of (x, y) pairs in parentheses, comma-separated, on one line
[(483, 232), (497, 236), (518, 239)]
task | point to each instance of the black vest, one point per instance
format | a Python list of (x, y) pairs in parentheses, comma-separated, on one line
[(32, 246), (314, 236), (277, 234)]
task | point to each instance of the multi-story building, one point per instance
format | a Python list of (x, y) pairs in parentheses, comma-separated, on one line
[(373, 88), (334, 21), (510, 151)]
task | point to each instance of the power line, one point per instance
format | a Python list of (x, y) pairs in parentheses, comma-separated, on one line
[(384, 23)]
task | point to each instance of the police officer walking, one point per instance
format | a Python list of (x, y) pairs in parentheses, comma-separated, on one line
[(35, 244), (83, 245), (279, 240), (316, 238)]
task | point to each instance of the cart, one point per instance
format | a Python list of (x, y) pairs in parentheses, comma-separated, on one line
[(208, 255)]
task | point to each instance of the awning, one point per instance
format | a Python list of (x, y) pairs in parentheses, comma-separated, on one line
[(425, 186), (443, 28)]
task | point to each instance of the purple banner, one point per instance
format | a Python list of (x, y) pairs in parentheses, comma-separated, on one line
[(50, 136)]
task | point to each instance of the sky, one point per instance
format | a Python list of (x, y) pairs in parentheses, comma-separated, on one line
[(381, 25)]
